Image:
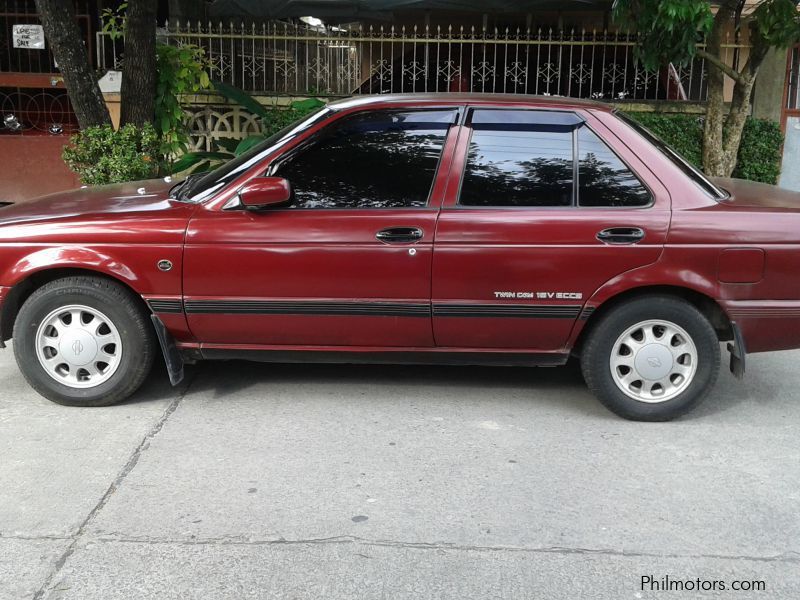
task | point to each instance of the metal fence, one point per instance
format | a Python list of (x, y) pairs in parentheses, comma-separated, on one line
[(288, 58)]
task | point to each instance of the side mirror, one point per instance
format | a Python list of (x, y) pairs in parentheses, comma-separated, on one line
[(265, 192)]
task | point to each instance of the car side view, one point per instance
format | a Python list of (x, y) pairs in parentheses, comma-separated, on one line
[(427, 228)]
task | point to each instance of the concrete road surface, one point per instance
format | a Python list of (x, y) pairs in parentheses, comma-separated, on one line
[(332, 482)]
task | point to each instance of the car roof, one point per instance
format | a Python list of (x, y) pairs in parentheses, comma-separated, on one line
[(468, 98)]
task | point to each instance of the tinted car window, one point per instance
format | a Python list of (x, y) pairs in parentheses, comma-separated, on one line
[(379, 159), (528, 158), (202, 186), (518, 165), (603, 179)]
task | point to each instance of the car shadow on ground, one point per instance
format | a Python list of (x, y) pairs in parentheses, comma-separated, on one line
[(563, 386), (221, 380)]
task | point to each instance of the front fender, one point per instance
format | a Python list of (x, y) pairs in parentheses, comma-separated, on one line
[(136, 266)]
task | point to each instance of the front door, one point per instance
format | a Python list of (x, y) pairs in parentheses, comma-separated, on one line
[(539, 213), (348, 263)]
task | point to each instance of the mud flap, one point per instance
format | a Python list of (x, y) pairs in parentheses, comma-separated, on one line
[(170, 351), (738, 352)]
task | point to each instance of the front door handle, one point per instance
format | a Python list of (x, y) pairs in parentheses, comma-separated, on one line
[(399, 235), (621, 235)]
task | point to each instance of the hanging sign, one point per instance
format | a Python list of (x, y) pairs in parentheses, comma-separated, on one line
[(29, 37)]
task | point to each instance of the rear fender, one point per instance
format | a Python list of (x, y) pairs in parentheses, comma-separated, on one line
[(658, 276)]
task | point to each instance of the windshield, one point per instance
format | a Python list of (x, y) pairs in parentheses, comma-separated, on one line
[(200, 187), (684, 165)]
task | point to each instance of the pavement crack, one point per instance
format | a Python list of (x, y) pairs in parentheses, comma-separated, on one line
[(131, 463), (36, 538), (786, 557)]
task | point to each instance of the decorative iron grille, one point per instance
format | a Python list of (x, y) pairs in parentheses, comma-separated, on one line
[(207, 123), (288, 58), (36, 111)]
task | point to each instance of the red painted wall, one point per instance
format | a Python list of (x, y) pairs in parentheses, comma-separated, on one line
[(31, 165)]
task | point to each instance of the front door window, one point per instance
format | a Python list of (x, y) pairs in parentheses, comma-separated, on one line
[(380, 159)]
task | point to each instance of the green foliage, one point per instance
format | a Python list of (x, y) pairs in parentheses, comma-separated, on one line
[(777, 22), (101, 155), (759, 153), (241, 98), (668, 30), (683, 133), (181, 70), (197, 159), (273, 119), (278, 118), (113, 21)]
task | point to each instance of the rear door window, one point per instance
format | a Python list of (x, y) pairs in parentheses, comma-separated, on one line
[(530, 158)]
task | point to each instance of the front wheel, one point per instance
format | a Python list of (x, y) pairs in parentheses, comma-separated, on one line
[(653, 358), (83, 341)]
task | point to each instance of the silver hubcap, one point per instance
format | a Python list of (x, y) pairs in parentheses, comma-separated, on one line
[(78, 346), (653, 361)]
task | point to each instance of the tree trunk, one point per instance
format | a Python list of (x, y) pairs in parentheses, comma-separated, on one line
[(741, 103), (723, 132), (66, 42), (734, 125), (139, 68), (713, 156)]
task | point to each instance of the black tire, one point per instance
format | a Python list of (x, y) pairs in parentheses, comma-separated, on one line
[(114, 301), (598, 347)]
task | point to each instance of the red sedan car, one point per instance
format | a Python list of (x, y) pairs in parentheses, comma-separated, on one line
[(457, 229)]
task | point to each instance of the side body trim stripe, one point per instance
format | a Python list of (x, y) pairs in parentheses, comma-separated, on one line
[(358, 308), (166, 306), (268, 307), (533, 311)]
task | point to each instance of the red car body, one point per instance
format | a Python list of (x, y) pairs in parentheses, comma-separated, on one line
[(482, 284)]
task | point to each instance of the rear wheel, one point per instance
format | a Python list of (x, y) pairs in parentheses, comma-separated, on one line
[(653, 358), (84, 341)]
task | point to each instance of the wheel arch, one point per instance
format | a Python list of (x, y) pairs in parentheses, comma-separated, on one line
[(22, 290), (707, 305)]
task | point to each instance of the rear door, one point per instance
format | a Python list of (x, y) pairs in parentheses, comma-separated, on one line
[(542, 208)]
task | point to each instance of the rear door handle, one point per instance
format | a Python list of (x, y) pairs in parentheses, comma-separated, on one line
[(621, 235), (399, 235)]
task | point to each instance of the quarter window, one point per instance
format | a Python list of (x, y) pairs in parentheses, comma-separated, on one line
[(378, 159), (544, 159), (603, 179)]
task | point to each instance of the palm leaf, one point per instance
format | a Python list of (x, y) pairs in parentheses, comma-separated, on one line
[(228, 144), (240, 97), (307, 105), (191, 159), (248, 143)]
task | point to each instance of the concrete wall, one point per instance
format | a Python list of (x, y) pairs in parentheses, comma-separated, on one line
[(32, 166), (790, 174), (769, 88)]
